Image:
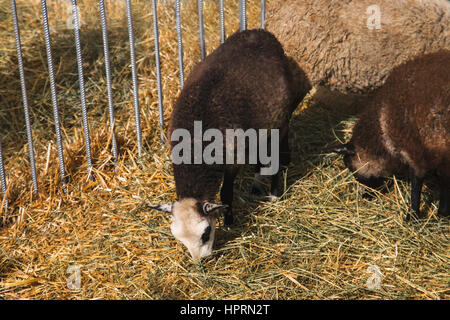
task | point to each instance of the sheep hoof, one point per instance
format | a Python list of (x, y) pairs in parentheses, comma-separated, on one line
[(228, 218), (445, 214), (271, 198), (258, 186), (256, 190)]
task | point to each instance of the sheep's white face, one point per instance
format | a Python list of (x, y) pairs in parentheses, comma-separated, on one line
[(194, 224), (193, 228)]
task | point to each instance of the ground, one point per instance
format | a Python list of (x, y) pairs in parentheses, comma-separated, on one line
[(321, 240)]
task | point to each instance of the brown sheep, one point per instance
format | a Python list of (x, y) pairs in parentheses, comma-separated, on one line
[(246, 83), (406, 128), (347, 48)]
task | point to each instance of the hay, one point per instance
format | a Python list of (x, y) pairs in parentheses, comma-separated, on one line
[(315, 243)]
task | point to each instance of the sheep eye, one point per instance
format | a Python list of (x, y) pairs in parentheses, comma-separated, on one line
[(205, 235)]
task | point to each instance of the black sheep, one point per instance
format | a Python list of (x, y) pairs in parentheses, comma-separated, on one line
[(406, 128), (246, 83)]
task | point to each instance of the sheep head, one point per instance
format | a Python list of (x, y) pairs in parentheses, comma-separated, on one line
[(365, 168), (193, 223)]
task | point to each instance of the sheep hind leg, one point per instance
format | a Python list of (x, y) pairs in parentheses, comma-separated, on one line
[(444, 199), (258, 184), (226, 194), (258, 188), (285, 158), (416, 190)]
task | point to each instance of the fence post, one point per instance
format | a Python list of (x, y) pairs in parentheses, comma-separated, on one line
[(24, 97), (263, 14), (3, 179), (180, 41), (222, 21), (108, 79), (158, 68), (243, 14), (87, 139), (53, 92), (134, 78), (201, 28)]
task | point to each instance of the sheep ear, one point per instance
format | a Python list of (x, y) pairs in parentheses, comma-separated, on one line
[(209, 208), (167, 207), (345, 149)]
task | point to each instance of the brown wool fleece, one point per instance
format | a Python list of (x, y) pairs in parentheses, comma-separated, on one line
[(410, 126), (334, 44), (247, 82)]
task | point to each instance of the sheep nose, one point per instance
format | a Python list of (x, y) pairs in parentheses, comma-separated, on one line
[(195, 256)]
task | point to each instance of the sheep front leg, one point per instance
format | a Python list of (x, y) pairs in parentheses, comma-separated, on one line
[(285, 158), (416, 190), (444, 200), (226, 194)]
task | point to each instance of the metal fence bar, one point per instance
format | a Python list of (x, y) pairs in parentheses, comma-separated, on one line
[(243, 14), (53, 91), (24, 96), (180, 41), (108, 79), (263, 14), (76, 20), (134, 78), (222, 21), (158, 68), (201, 28), (2, 177), (87, 139)]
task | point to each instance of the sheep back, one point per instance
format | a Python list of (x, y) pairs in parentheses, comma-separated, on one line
[(247, 82), (331, 41)]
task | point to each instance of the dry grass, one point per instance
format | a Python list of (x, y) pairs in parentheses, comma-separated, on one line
[(315, 243)]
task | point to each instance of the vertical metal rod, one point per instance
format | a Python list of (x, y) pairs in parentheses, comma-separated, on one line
[(87, 139), (108, 79), (222, 21), (134, 78), (263, 14), (24, 96), (201, 28), (158, 68), (243, 14), (180, 41), (53, 92), (2, 177)]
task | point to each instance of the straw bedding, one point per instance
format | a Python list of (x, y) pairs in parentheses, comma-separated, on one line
[(316, 242)]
